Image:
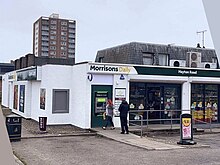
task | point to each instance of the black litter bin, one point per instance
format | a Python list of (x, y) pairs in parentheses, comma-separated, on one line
[(13, 125), (42, 123)]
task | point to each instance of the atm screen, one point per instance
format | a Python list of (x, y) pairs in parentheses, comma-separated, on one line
[(100, 102)]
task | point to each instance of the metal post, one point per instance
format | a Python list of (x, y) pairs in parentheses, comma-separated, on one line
[(171, 119), (210, 124), (192, 112), (147, 117), (141, 126)]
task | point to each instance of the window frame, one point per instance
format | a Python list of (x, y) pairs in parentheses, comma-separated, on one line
[(167, 59), (54, 110), (147, 55)]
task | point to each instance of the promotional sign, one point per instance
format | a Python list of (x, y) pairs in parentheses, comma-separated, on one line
[(15, 103), (42, 123), (120, 94), (186, 130), (42, 98), (21, 98)]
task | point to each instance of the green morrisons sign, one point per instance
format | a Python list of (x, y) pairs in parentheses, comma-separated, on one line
[(177, 71)]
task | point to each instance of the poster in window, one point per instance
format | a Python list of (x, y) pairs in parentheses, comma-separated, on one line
[(42, 98), (120, 94), (22, 98), (15, 104)]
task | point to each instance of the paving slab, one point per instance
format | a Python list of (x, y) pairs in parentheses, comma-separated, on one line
[(135, 140)]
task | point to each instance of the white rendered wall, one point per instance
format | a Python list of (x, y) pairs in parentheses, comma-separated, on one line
[(81, 107), (186, 97), (54, 77), (81, 104), (35, 101), (5, 86), (120, 84)]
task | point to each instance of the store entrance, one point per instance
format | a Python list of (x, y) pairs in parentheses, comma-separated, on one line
[(100, 94), (160, 103), (153, 103)]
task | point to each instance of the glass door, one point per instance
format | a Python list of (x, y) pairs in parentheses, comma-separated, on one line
[(172, 101), (153, 102), (162, 101)]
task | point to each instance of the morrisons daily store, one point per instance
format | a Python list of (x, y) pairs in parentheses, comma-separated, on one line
[(77, 94)]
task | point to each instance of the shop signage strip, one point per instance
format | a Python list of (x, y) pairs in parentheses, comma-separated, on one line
[(29, 74), (176, 72), (111, 69)]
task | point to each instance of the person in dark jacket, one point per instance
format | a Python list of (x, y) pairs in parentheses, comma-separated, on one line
[(123, 109)]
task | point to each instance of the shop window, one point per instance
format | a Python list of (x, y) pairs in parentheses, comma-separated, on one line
[(163, 59), (160, 103), (172, 103), (148, 58), (204, 103), (137, 94), (60, 101)]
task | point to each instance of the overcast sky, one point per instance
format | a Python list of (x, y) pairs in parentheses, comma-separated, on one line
[(104, 23)]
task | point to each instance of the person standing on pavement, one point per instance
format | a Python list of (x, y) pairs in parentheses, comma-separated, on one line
[(123, 109), (109, 114)]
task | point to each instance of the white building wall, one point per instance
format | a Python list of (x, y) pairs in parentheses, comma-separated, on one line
[(118, 83), (81, 91), (81, 104), (10, 94), (5, 89), (186, 97), (28, 98), (35, 101), (54, 77)]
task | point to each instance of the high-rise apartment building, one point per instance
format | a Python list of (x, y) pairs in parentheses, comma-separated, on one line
[(54, 37)]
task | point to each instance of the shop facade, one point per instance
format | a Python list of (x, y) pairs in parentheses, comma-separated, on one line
[(77, 94)]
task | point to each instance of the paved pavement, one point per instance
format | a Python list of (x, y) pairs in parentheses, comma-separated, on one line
[(146, 142), (135, 140), (30, 129)]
